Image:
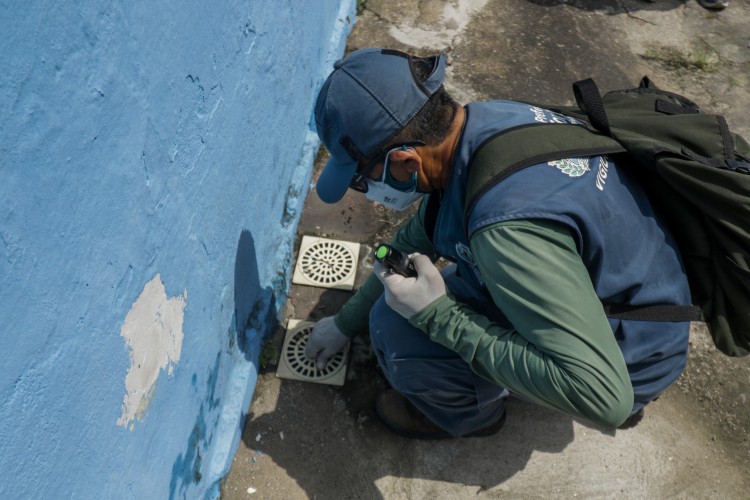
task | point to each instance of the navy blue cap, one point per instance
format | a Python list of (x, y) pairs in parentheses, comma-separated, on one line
[(368, 98)]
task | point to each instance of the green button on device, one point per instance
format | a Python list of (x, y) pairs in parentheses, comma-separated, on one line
[(381, 252)]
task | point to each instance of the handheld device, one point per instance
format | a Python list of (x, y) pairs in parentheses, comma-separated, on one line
[(395, 261)]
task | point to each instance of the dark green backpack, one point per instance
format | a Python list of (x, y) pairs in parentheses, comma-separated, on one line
[(695, 171)]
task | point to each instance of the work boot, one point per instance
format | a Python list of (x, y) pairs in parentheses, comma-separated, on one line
[(399, 415), (714, 4), (632, 420)]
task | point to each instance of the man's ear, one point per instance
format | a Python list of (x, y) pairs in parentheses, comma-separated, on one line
[(409, 159)]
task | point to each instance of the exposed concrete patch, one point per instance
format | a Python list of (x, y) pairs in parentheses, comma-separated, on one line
[(437, 28), (153, 332)]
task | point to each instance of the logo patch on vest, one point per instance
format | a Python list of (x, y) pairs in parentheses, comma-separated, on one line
[(601, 175), (573, 167), (546, 116)]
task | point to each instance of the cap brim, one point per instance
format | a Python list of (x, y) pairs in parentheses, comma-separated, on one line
[(334, 180)]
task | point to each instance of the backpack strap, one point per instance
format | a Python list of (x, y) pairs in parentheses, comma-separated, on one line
[(514, 149), (662, 313), (589, 99)]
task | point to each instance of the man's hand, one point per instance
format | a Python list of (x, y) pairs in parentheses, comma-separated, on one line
[(324, 341), (408, 296)]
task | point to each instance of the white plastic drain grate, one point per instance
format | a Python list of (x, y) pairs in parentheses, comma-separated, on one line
[(326, 263), (293, 364)]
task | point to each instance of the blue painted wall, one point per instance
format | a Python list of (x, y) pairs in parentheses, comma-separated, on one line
[(146, 143)]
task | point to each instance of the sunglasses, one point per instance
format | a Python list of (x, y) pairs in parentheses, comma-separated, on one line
[(359, 179)]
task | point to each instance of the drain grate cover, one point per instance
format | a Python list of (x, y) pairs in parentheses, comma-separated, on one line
[(326, 263), (293, 364)]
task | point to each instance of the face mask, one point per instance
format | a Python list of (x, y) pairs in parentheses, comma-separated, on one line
[(381, 191), (384, 194)]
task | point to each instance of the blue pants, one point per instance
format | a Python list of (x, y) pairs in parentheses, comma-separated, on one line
[(434, 378)]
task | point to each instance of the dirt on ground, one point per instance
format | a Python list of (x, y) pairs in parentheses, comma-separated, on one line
[(305, 440)]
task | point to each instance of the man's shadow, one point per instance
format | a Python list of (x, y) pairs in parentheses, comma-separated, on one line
[(254, 313), (329, 440), (254, 306)]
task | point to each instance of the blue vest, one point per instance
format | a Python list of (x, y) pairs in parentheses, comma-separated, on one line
[(630, 256)]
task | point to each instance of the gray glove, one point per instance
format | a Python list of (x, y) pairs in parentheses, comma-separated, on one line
[(325, 340), (408, 296)]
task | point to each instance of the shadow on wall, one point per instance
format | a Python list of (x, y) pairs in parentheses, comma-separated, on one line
[(613, 7), (254, 307), (255, 314), (332, 445)]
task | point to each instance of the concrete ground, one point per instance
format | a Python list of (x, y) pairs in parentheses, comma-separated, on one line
[(305, 440)]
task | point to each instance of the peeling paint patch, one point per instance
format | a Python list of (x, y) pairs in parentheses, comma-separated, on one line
[(153, 332)]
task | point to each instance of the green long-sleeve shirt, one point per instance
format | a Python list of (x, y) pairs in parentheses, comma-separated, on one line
[(561, 351)]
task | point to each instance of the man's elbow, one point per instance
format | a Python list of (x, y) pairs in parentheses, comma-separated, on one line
[(612, 410), (617, 411)]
